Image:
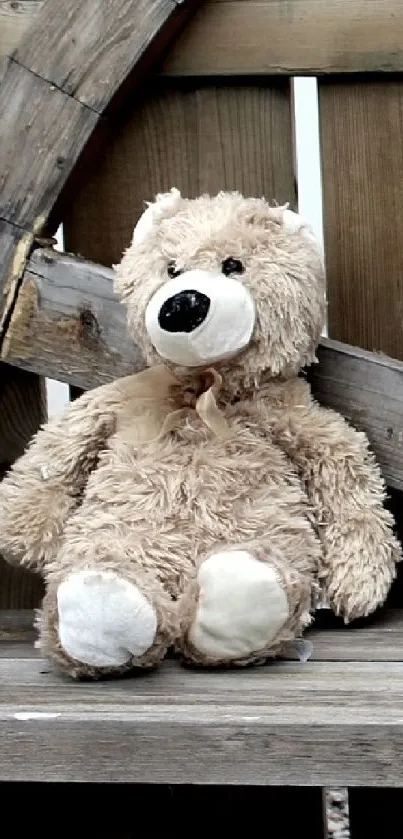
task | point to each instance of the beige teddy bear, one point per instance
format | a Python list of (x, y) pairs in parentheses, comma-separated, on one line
[(203, 503)]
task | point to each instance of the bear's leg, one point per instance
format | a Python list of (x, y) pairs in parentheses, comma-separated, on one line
[(243, 606), (97, 622)]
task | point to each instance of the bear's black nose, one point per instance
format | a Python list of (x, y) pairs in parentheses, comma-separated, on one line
[(184, 312)]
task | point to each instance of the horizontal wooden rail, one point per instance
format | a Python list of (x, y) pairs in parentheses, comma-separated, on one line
[(67, 324), (267, 36)]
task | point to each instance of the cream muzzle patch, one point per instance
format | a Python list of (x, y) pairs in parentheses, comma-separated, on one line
[(199, 318)]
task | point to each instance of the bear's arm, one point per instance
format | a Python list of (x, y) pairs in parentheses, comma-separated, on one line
[(44, 486), (347, 493)]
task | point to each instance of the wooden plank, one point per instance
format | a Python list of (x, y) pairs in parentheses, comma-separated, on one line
[(33, 134), (287, 724), (23, 408), (311, 37), (19, 589), (88, 49), (16, 17), (200, 138), (301, 37), (366, 388), (70, 302), (362, 174), (379, 640)]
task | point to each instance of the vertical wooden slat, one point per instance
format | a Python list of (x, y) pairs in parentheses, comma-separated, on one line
[(22, 395), (362, 165), (196, 136), (22, 411), (362, 170)]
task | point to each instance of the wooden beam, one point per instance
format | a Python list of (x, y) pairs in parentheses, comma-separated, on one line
[(314, 724), (306, 37), (231, 36), (68, 324), (15, 19), (62, 79)]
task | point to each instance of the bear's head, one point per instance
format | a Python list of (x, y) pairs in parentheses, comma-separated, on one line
[(225, 282)]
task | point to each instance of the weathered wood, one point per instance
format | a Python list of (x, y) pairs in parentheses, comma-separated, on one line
[(312, 37), (381, 639), (88, 49), (61, 79), (367, 388), (285, 724), (297, 37), (67, 308), (362, 174), (32, 133), (183, 135), (64, 298), (23, 408), (15, 18)]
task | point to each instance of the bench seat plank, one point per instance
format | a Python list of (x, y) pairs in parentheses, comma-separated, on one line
[(323, 723)]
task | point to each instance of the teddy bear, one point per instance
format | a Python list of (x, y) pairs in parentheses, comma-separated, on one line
[(204, 504)]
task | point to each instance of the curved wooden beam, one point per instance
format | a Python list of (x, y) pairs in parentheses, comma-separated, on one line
[(56, 88)]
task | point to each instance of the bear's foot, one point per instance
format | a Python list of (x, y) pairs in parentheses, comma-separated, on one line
[(241, 608), (104, 620)]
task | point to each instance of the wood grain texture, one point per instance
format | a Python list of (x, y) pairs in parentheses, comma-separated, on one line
[(16, 17), (286, 724), (68, 325), (88, 49), (294, 37), (34, 134), (200, 138), (366, 388), (23, 409), (362, 177)]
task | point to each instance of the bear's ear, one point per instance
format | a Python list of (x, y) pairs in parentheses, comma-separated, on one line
[(294, 223), (165, 204)]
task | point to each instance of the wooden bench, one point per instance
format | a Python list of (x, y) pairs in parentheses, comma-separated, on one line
[(110, 104)]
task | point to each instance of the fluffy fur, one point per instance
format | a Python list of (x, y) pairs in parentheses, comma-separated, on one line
[(147, 477)]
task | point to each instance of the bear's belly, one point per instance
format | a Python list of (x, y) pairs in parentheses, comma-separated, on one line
[(194, 490)]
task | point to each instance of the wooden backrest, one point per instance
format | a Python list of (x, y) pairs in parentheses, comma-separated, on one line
[(218, 115)]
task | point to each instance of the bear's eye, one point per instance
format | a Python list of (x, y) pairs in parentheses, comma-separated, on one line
[(172, 270), (232, 266)]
